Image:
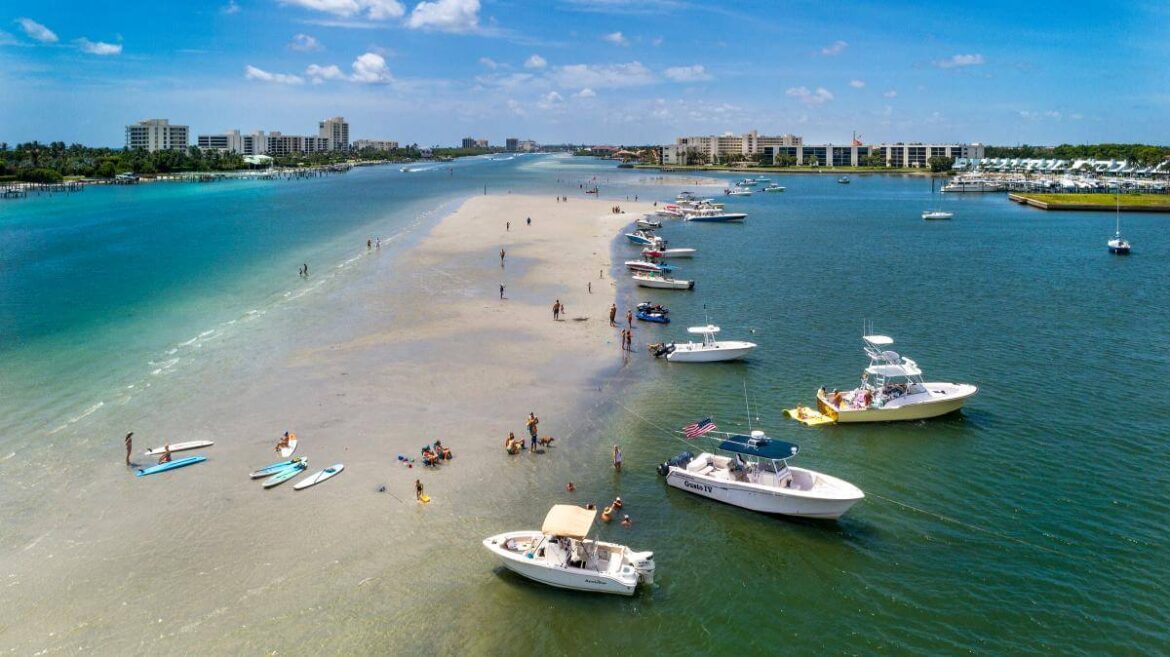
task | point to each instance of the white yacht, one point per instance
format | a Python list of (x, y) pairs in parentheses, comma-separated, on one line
[(561, 555), (646, 222), (709, 350), (662, 281), (892, 389), (715, 216), (763, 481), (935, 215), (967, 184)]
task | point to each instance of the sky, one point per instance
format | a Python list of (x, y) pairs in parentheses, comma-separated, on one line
[(590, 71)]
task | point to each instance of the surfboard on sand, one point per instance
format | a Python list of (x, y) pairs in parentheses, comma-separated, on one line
[(179, 447), (172, 465), (284, 475), (273, 468), (318, 477)]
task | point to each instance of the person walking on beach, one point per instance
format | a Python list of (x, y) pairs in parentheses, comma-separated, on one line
[(629, 340), (612, 314), (589, 287), (630, 317), (502, 254), (501, 290), (129, 446), (530, 221), (617, 458), (508, 226), (418, 489), (556, 310)]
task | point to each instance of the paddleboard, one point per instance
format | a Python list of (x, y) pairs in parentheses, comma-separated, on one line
[(808, 416), (318, 477), (180, 447), (292, 446), (423, 499), (274, 468), (163, 467), (285, 474)]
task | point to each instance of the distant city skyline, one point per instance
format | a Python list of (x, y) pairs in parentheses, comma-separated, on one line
[(590, 71)]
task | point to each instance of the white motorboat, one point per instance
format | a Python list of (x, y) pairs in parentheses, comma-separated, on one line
[(645, 222), (774, 188), (1118, 244), (892, 389), (668, 253), (844, 180), (716, 216), (662, 281), (647, 266), (709, 350), (963, 184), (763, 481), (934, 215), (561, 555), (737, 192), (670, 211), (644, 237)]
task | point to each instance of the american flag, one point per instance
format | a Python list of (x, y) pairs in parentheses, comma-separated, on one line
[(696, 429)]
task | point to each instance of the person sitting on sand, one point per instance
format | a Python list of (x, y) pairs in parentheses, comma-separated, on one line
[(166, 455), (284, 441)]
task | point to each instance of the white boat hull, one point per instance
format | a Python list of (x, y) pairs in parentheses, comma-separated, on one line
[(622, 581), (697, 352), (678, 253), (663, 283), (769, 499), (940, 399)]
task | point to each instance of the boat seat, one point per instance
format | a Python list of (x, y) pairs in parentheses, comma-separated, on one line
[(697, 465), (615, 562)]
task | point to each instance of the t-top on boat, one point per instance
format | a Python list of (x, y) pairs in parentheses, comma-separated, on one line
[(763, 481), (892, 389), (560, 555)]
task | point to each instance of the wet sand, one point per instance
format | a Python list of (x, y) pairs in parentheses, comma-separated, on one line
[(203, 561)]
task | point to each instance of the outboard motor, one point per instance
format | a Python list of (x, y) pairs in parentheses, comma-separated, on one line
[(679, 461), (664, 350), (643, 563)]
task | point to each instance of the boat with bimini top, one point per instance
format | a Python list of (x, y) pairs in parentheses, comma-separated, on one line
[(892, 389)]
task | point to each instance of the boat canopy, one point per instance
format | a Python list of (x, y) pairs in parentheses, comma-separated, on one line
[(568, 520), (878, 340), (906, 368), (710, 328), (758, 445)]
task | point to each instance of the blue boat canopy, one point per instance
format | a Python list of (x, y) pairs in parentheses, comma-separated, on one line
[(759, 445)]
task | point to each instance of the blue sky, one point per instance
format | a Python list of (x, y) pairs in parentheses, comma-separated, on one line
[(612, 71)]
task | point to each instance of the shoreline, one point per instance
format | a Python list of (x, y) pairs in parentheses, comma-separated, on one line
[(431, 353)]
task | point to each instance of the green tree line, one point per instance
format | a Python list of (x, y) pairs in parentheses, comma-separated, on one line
[(1142, 154)]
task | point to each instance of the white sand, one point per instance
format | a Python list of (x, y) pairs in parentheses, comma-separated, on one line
[(202, 561)]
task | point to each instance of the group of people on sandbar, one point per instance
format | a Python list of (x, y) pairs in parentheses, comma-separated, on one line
[(433, 455), (535, 441)]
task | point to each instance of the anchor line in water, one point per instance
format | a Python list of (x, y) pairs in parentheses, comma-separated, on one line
[(908, 507)]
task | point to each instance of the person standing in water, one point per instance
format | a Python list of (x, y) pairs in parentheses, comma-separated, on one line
[(129, 446), (502, 254), (617, 458), (612, 314), (501, 290)]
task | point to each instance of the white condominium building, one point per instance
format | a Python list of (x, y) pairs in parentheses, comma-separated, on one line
[(714, 147), (336, 130), (890, 155), (376, 144), (156, 135)]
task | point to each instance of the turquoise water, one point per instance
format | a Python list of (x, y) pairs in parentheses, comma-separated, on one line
[(1031, 523)]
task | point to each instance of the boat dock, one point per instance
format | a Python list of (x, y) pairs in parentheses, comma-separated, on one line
[(22, 190)]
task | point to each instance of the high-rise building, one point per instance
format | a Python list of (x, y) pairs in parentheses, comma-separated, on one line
[(482, 143), (512, 144), (336, 130), (469, 142), (156, 135), (234, 142)]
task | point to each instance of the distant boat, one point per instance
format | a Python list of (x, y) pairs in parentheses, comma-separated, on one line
[(647, 223), (931, 215), (716, 216), (709, 350), (737, 192), (1118, 245), (844, 180), (773, 187), (662, 282)]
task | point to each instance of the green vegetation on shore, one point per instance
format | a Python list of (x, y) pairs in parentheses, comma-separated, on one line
[(1103, 201), (1144, 154), (54, 162)]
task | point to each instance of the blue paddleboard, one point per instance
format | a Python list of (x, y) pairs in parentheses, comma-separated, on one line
[(284, 475), (163, 467), (275, 467)]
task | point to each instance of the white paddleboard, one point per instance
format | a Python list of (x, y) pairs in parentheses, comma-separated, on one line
[(318, 477), (288, 451), (179, 447)]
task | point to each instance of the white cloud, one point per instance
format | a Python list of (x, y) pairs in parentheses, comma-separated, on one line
[(657, 41), (253, 73), (515, 107), (371, 68), (818, 97), (693, 73), (373, 9), (510, 81), (857, 84), (305, 43), (836, 48), (445, 16), (488, 62), (890, 94), (616, 38), (7, 39), (37, 31), (535, 61), (586, 93), (230, 8), (583, 76), (321, 73), (99, 48), (1052, 115), (957, 61), (551, 100)]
